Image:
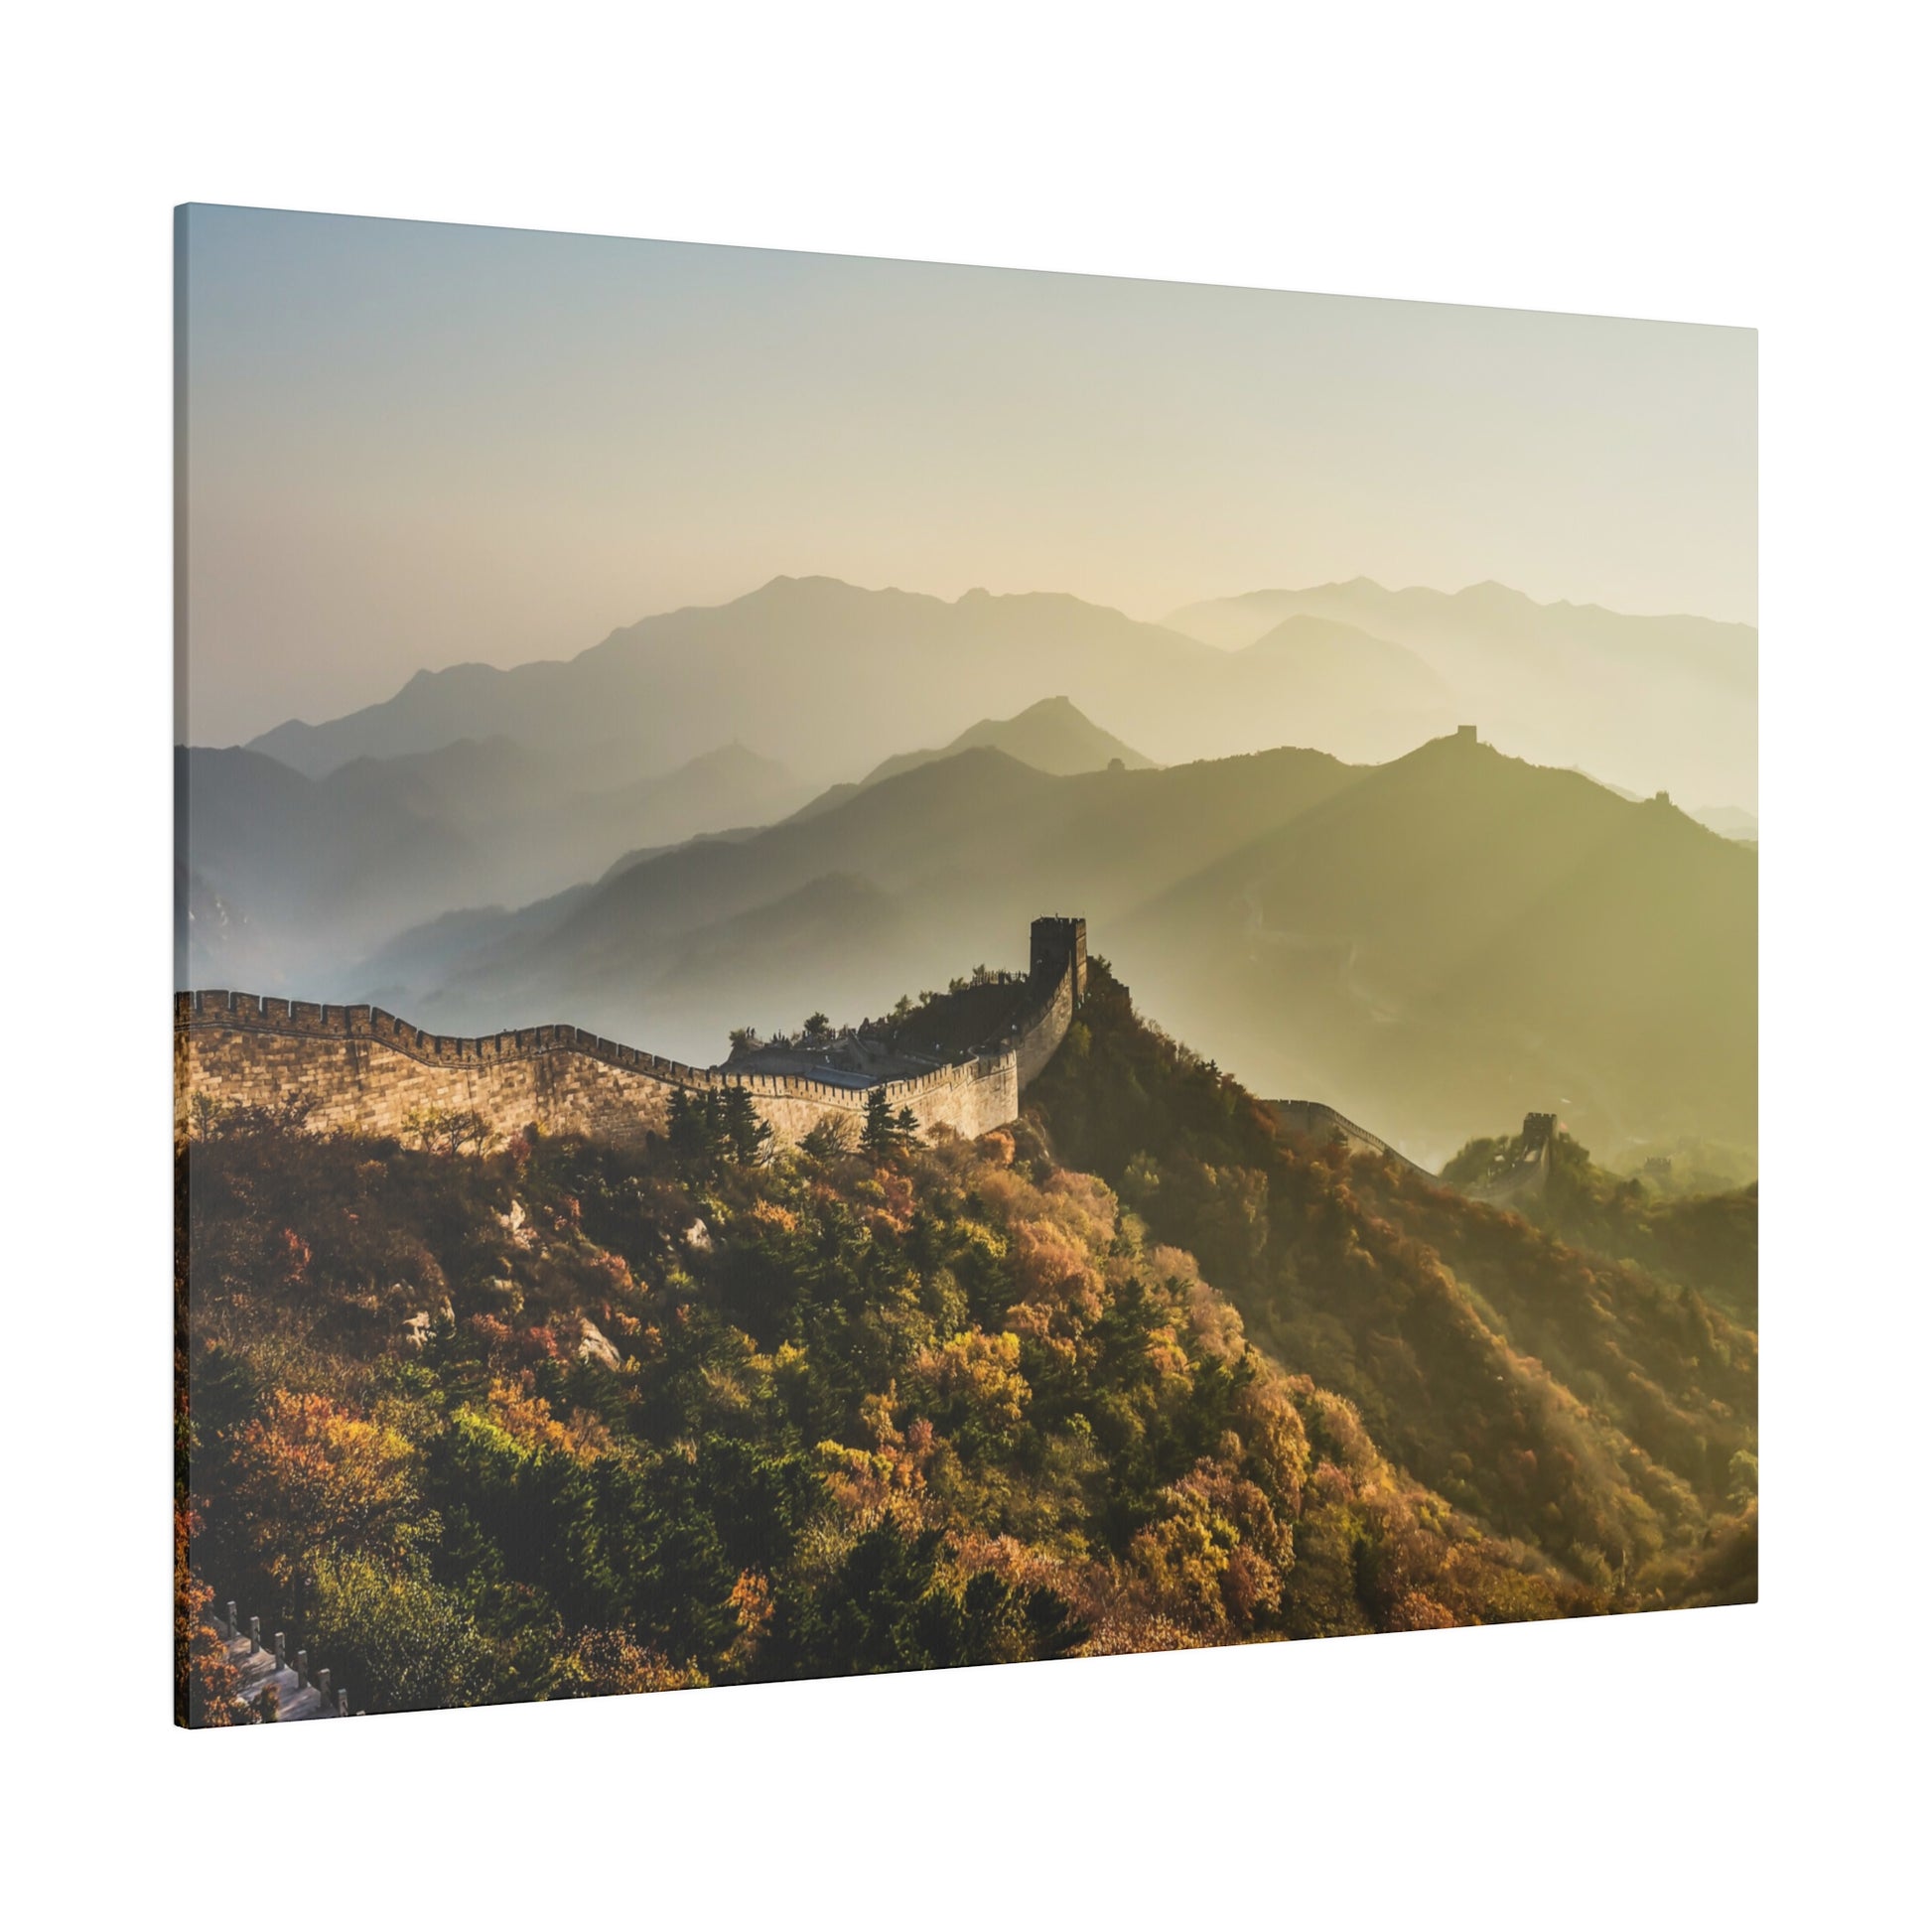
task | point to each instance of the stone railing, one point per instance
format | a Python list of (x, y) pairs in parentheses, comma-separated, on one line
[(294, 1704)]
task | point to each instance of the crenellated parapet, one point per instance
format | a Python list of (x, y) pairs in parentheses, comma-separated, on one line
[(371, 1070)]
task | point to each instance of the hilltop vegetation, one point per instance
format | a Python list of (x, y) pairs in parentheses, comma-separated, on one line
[(559, 1420)]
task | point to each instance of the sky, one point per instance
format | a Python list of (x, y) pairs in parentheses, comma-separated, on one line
[(409, 445)]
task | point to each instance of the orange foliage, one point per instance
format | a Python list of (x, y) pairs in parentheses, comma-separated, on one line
[(612, 1662), (524, 1416), (206, 1686), (1215, 1556), (976, 1373), (315, 1476)]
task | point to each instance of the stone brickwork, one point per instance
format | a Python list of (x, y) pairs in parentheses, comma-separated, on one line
[(370, 1071)]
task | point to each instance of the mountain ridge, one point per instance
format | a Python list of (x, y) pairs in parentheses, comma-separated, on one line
[(1408, 940), (834, 678)]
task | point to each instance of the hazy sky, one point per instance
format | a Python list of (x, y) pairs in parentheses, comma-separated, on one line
[(412, 445)]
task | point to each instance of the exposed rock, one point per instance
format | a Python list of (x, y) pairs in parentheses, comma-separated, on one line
[(508, 1297), (513, 1224), (698, 1236), (596, 1346)]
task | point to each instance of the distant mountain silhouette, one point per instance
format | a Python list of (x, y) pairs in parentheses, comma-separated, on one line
[(1729, 821), (286, 870), (1657, 702), (832, 680), (1054, 736), (830, 677)]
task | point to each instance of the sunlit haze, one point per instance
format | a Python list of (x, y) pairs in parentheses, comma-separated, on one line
[(412, 445)]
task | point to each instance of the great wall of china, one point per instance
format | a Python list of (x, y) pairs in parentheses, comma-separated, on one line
[(1317, 1121), (368, 1070), (1528, 1171)]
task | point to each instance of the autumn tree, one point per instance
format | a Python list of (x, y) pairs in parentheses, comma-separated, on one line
[(208, 1688), (312, 1477)]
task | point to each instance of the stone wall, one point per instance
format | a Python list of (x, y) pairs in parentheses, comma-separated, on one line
[(1321, 1122), (369, 1070), (1529, 1174), (1039, 1041)]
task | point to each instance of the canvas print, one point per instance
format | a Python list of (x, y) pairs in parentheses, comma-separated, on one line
[(883, 966)]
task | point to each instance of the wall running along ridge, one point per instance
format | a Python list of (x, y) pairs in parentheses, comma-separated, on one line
[(1319, 1122), (371, 1071)]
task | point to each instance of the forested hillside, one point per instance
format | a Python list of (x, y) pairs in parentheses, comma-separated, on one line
[(1602, 1407), (555, 1419)]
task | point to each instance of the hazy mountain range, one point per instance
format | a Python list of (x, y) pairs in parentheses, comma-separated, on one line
[(1450, 938), (830, 680), (1434, 939), (1658, 703), (1053, 736), (314, 872)]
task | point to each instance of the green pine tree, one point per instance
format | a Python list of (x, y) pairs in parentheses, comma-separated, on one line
[(880, 1137), (748, 1139)]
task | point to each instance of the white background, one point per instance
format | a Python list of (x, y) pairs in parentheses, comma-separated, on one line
[(1695, 162)]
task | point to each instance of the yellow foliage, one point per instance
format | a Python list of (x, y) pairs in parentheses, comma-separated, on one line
[(1215, 1556), (612, 1663), (313, 1477), (979, 1371)]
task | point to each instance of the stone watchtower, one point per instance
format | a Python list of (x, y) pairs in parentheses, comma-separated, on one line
[(1538, 1131), (1055, 942)]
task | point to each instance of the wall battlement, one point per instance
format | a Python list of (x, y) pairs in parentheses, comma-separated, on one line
[(371, 1070)]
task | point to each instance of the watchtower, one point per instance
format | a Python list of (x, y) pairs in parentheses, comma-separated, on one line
[(1055, 942), (1539, 1130), (1465, 737)]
